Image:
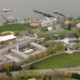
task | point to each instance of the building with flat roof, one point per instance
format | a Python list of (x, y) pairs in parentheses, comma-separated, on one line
[(7, 38)]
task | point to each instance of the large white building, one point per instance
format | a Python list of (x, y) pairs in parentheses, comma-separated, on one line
[(7, 38), (47, 21)]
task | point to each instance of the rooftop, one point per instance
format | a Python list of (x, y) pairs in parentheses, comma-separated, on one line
[(8, 37), (22, 32), (13, 45), (20, 53)]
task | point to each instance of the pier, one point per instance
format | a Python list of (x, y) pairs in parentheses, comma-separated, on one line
[(45, 14), (5, 16), (56, 12)]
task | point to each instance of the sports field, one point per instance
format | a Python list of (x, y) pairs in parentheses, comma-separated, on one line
[(50, 33), (11, 27), (28, 26), (59, 60)]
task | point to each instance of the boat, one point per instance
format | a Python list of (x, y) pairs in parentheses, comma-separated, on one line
[(15, 10), (10, 17), (60, 13), (55, 11)]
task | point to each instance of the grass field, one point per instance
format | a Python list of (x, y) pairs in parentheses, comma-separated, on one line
[(28, 26), (59, 60), (50, 33), (11, 27)]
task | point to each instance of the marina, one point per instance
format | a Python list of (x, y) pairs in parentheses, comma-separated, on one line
[(5, 17), (28, 6)]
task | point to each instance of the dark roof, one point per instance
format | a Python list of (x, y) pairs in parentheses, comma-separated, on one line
[(21, 32), (60, 36)]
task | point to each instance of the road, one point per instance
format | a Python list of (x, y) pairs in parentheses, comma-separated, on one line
[(73, 70)]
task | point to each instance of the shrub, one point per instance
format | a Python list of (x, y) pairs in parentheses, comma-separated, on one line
[(9, 73), (44, 29), (65, 49), (32, 47)]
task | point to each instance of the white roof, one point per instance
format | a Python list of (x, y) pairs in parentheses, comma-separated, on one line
[(8, 37), (66, 40), (28, 51), (78, 25), (66, 22), (49, 28)]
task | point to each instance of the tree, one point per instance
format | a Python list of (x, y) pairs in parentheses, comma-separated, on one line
[(16, 77), (16, 20), (69, 26), (43, 54), (6, 65), (47, 78), (70, 18), (59, 46), (4, 23), (13, 21), (9, 73), (78, 44), (43, 77), (24, 73), (46, 43), (69, 74), (62, 20), (31, 58), (16, 32), (73, 22), (6, 42), (31, 19), (76, 35), (25, 19), (28, 19), (37, 56), (7, 22), (73, 31), (49, 50), (78, 30), (2, 43)]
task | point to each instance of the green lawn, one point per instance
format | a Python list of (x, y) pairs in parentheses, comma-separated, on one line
[(50, 33), (27, 25), (11, 27), (59, 60)]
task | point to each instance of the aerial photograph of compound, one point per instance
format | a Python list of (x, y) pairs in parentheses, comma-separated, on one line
[(40, 40)]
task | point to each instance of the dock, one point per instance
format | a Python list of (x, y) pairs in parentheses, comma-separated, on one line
[(45, 14), (5, 16), (56, 12)]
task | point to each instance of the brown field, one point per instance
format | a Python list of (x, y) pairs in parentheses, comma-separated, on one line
[(34, 24), (7, 32)]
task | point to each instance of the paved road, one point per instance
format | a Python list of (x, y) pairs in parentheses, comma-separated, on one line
[(51, 70)]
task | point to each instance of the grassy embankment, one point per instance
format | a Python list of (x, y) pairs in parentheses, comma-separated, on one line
[(59, 60), (50, 33)]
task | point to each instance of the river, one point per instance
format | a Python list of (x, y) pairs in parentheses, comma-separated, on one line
[(25, 8)]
